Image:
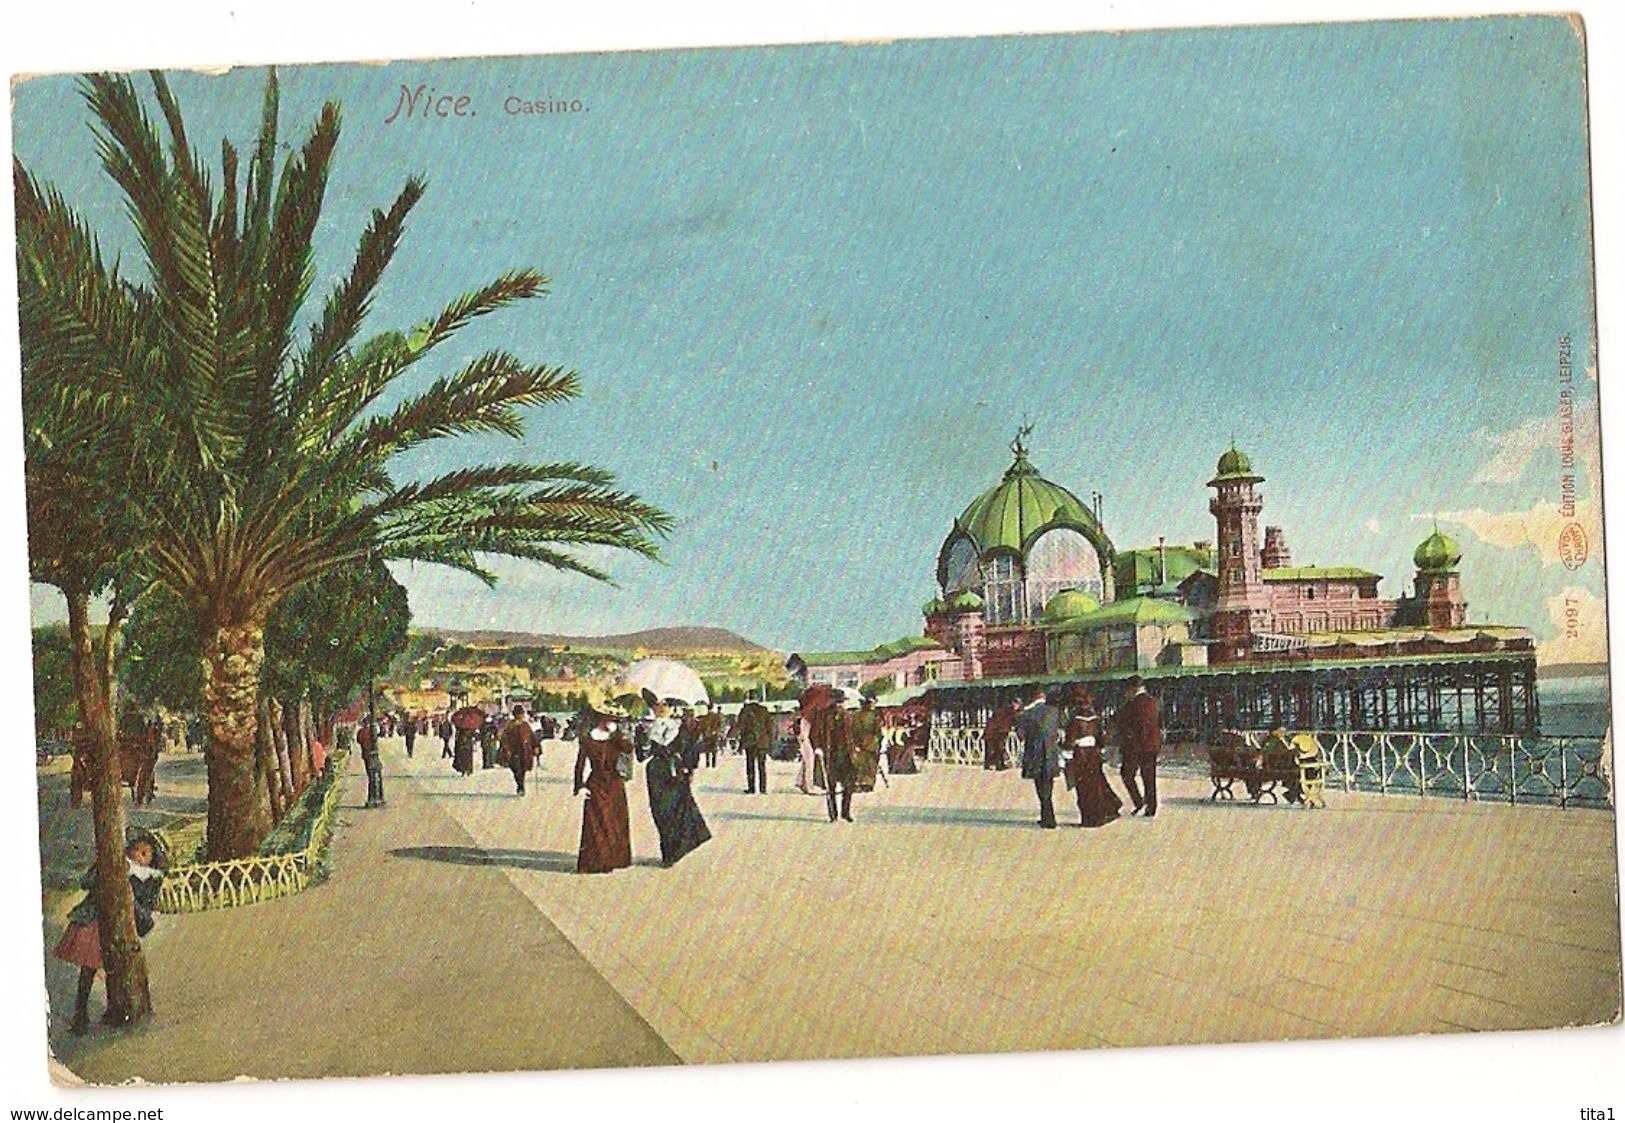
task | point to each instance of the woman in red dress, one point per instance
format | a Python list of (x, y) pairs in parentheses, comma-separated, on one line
[(606, 829)]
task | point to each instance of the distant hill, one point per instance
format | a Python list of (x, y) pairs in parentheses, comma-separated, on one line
[(663, 641)]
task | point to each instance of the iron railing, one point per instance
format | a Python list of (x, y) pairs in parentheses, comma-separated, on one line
[(1560, 771), (1557, 771)]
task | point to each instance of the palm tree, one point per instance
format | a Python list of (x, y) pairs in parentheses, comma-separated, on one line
[(273, 454), (84, 532)]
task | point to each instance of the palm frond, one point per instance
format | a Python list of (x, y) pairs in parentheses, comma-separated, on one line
[(519, 284), (483, 397), (173, 230), (257, 192), (350, 301)]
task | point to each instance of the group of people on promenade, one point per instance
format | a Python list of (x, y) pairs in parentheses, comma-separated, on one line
[(672, 746), (1062, 734), (841, 752)]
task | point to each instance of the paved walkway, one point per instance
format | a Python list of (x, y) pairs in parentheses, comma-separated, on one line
[(453, 934), (389, 966)]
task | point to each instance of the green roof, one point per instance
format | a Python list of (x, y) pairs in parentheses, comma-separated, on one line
[(1134, 611), (1320, 573), (880, 654), (1139, 570), (966, 601), (1438, 553), (1008, 514)]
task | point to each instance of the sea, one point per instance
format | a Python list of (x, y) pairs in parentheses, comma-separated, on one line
[(1573, 705)]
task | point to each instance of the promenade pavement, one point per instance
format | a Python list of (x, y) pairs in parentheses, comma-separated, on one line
[(454, 933), (385, 967)]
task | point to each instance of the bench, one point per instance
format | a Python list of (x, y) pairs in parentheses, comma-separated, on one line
[(1295, 770)]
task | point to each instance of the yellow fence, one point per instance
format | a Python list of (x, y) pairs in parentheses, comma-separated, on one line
[(245, 881)]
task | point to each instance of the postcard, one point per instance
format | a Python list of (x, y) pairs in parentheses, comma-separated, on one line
[(943, 546)]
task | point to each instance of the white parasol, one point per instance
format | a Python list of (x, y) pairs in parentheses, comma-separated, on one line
[(665, 678)]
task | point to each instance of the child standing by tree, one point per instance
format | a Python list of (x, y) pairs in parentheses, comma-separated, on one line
[(81, 944)]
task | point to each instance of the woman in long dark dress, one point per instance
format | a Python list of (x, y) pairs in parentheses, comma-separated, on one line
[(462, 760), (606, 827), (1085, 771), (673, 757)]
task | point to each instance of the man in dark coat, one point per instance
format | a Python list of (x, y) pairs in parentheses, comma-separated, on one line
[(754, 727), (1040, 726), (830, 741), (708, 728), (367, 737), (1139, 738), (409, 727), (519, 747)]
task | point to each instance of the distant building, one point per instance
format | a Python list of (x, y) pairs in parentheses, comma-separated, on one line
[(1031, 584), (907, 662)]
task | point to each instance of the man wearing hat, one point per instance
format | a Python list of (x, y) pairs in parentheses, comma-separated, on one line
[(1139, 737), (1040, 726), (754, 727), (831, 740), (519, 747), (708, 727)]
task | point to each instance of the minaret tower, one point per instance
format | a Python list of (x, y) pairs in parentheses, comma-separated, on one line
[(1242, 609), (1439, 601)]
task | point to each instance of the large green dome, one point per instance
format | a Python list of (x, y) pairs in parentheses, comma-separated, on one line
[(1438, 553), (1022, 503)]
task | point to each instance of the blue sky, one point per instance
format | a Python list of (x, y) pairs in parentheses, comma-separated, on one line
[(812, 291)]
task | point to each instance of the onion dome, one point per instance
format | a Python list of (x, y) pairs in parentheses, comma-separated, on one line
[(1021, 504), (1438, 553), (965, 601), (1069, 605), (1234, 465), (934, 606)]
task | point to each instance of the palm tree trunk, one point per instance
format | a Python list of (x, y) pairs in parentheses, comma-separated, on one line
[(284, 754), (265, 769), (232, 658), (307, 734), (290, 749), (128, 998)]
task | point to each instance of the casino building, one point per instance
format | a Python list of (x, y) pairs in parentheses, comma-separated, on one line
[(1031, 587)]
